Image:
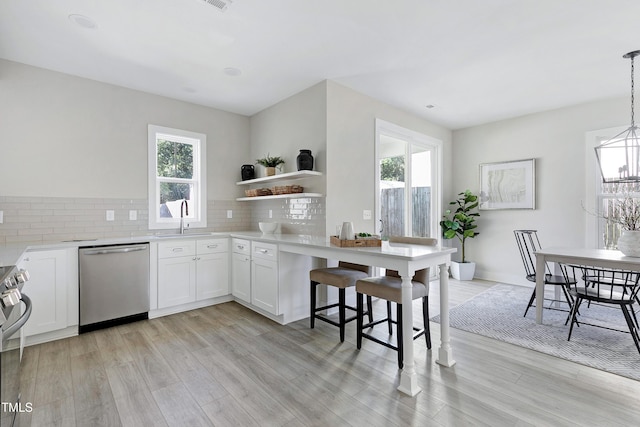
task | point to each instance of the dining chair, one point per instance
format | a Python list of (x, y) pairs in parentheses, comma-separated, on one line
[(528, 245), (389, 288), (609, 287), (342, 277)]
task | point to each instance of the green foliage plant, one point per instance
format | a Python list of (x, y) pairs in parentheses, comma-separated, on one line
[(392, 169), (270, 162), (461, 222)]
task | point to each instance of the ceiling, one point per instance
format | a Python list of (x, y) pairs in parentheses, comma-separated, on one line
[(474, 61)]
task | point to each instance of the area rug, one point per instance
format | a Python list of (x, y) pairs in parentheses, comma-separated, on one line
[(498, 313)]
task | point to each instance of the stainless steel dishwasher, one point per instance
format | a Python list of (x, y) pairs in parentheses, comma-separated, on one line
[(114, 285)]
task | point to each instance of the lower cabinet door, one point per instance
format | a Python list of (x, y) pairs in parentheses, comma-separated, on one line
[(176, 281), (212, 275), (264, 285), (241, 276), (48, 289)]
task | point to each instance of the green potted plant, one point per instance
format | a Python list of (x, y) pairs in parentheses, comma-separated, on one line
[(271, 163), (461, 224)]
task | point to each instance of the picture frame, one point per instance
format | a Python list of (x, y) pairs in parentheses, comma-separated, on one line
[(508, 185)]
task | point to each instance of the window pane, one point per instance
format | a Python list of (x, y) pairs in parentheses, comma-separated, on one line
[(421, 191), (392, 187), (171, 196), (175, 159)]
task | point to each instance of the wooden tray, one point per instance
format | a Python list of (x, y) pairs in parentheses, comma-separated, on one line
[(363, 242)]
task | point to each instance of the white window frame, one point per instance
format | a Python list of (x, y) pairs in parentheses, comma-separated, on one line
[(419, 139), (198, 207), (595, 198)]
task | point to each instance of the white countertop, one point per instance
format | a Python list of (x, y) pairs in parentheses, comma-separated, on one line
[(10, 253)]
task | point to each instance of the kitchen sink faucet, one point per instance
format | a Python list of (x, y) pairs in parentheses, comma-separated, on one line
[(184, 205)]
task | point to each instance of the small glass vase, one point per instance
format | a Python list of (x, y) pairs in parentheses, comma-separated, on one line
[(629, 243)]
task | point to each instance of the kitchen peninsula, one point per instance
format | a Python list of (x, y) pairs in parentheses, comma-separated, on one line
[(406, 259)]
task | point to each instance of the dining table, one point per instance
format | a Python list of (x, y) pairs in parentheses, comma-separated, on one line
[(406, 259), (605, 258)]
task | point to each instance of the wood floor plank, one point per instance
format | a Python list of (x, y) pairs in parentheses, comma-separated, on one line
[(56, 413), (258, 401), (92, 396), (228, 412), (178, 408), (155, 370), (307, 409), (201, 384), (53, 380), (131, 394)]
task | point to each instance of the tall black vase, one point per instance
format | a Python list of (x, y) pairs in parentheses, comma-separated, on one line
[(305, 160)]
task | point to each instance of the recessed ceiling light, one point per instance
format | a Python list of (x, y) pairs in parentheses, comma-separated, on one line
[(83, 21), (232, 71)]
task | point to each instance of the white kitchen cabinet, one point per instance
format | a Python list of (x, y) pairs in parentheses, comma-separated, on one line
[(176, 281), (212, 268), (241, 269), (53, 289), (264, 276), (192, 270), (271, 282)]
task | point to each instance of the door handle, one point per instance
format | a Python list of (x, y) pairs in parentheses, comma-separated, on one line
[(22, 319)]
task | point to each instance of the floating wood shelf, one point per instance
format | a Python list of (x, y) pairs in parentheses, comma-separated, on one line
[(279, 196)]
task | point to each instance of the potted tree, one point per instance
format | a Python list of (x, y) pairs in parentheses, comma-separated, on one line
[(270, 163), (461, 224)]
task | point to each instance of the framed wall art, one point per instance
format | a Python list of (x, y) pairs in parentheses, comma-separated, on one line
[(508, 185)]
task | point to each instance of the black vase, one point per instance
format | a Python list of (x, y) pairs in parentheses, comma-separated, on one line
[(305, 160), (248, 172)]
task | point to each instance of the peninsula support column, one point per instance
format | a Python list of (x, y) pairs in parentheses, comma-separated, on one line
[(445, 353)]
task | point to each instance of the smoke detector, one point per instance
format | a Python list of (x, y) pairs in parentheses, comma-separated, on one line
[(221, 5)]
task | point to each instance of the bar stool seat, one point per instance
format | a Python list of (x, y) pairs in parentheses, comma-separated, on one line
[(389, 288), (342, 277)]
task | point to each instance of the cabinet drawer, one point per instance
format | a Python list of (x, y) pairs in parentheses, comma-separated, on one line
[(211, 246), (264, 251), (175, 249), (241, 246)]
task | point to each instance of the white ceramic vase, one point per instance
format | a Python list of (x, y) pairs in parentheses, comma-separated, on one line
[(463, 270), (629, 243)]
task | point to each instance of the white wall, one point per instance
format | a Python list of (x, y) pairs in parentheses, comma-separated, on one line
[(65, 136), (350, 153), (295, 123), (556, 139)]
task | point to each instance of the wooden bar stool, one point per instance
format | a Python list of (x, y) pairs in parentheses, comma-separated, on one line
[(341, 277), (389, 288)]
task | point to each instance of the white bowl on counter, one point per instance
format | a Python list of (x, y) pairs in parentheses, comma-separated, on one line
[(268, 227)]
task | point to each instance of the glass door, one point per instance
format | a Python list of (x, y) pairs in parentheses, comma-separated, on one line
[(408, 182)]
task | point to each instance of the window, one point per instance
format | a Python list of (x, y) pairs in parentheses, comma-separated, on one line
[(177, 178), (408, 184), (602, 233)]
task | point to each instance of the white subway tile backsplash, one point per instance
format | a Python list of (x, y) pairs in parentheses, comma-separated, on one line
[(56, 219)]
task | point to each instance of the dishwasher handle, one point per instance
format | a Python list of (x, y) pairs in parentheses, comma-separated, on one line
[(115, 250)]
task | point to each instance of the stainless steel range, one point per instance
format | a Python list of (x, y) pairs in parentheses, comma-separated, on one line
[(12, 318)]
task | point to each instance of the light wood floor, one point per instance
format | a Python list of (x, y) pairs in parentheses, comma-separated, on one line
[(227, 366)]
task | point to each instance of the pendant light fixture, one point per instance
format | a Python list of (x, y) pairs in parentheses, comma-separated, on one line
[(619, 157)]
